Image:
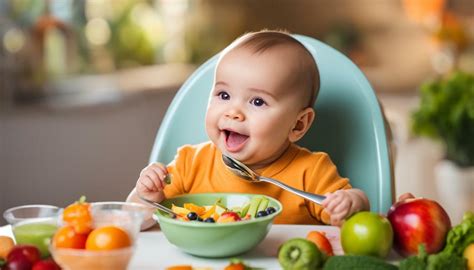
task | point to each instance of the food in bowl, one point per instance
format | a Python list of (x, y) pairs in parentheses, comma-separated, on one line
[(218, 213), (34, 224), (219, 239), (102, 236)]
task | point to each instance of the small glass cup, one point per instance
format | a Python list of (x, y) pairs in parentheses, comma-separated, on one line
[(34, 224)]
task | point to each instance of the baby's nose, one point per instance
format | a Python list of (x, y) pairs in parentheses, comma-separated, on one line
[(235, 115)]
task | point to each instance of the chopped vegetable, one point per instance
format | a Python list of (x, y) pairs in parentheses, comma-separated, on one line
[(350, 262)]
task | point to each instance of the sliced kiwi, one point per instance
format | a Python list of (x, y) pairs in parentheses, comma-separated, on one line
[(299, 254)]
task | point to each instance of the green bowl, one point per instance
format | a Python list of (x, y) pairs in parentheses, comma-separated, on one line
[(215, 240)]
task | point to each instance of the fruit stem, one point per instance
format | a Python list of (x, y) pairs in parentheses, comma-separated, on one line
[(82, 199)]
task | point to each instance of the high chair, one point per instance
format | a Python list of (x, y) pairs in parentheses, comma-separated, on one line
[(350, 125)]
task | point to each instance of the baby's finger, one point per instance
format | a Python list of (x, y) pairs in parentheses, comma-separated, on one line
[(336, 219), (162, 173), (336, 200), (336, 222), (327, 200), (344, 206), (142, 172), (157, 165), (151, 166), (154, 177), (147, 184)]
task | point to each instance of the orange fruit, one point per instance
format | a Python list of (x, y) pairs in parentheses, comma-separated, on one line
[(67, 237), (6, 244), (108, 238), (320, 239), (79, 216), (199, 210)]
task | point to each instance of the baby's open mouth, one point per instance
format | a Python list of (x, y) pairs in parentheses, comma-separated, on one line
[(234, 140)]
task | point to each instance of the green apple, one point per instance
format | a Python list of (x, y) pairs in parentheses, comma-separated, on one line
[(367, 233)]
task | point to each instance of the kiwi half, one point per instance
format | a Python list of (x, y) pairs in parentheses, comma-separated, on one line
[(299, 254)]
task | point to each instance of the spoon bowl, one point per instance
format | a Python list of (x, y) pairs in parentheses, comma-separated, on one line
[(244, 172)]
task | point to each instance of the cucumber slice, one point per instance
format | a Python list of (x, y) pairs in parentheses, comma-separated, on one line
[(244, 210), (263, 204), (254, 206)]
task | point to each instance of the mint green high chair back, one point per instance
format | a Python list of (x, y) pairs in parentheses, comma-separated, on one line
[(349, 125)]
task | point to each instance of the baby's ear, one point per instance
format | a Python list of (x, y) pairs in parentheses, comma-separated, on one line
[(303, 122)]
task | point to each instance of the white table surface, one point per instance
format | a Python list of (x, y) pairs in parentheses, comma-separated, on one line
[(153, 251)]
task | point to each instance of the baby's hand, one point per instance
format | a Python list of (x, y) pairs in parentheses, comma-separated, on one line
[(151, 182), (338, 205)]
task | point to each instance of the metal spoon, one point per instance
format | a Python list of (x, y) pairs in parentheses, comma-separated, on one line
[(157, 205), (240, 169)]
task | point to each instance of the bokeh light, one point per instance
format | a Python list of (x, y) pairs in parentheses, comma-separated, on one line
[(98, 31), (14, 40)]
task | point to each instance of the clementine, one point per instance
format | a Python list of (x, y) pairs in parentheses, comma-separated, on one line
[(67, 237), (108, 238), (79, 216)]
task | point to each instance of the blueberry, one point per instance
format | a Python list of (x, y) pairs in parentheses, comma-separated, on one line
[(199, 219), (270, 210), (261, 214), (192, 216), (209, 220)]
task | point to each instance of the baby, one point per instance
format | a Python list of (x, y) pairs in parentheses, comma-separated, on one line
[(260, 105)]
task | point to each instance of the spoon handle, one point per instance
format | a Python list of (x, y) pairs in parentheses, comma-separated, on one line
[(309, 196), (157, 205)]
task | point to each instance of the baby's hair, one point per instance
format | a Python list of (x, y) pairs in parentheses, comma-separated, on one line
[(263, 40)]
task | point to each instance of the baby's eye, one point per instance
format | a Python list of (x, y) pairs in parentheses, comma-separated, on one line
[(258, 102), (223, 95)]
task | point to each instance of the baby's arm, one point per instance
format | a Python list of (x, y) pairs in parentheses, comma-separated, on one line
[(343, 203), (149, 185)]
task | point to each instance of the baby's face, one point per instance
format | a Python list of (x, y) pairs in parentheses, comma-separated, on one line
[(254, 104)]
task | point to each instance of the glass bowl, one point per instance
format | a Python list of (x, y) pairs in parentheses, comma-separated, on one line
[(216, 240), (34, 224), (128, 216)]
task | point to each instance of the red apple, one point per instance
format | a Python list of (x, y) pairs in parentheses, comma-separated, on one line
[(228, 217), (418, 221), (29, 251), (47, 264), (20, 262)]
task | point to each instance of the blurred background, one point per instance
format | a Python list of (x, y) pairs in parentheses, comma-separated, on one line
[(84, 84)]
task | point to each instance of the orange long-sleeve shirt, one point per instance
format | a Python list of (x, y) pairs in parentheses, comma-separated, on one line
[(200, 169)]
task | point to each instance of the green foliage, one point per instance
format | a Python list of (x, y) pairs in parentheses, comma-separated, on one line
[(460, 236), (439, 261), (447, 113), (417, 262)]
